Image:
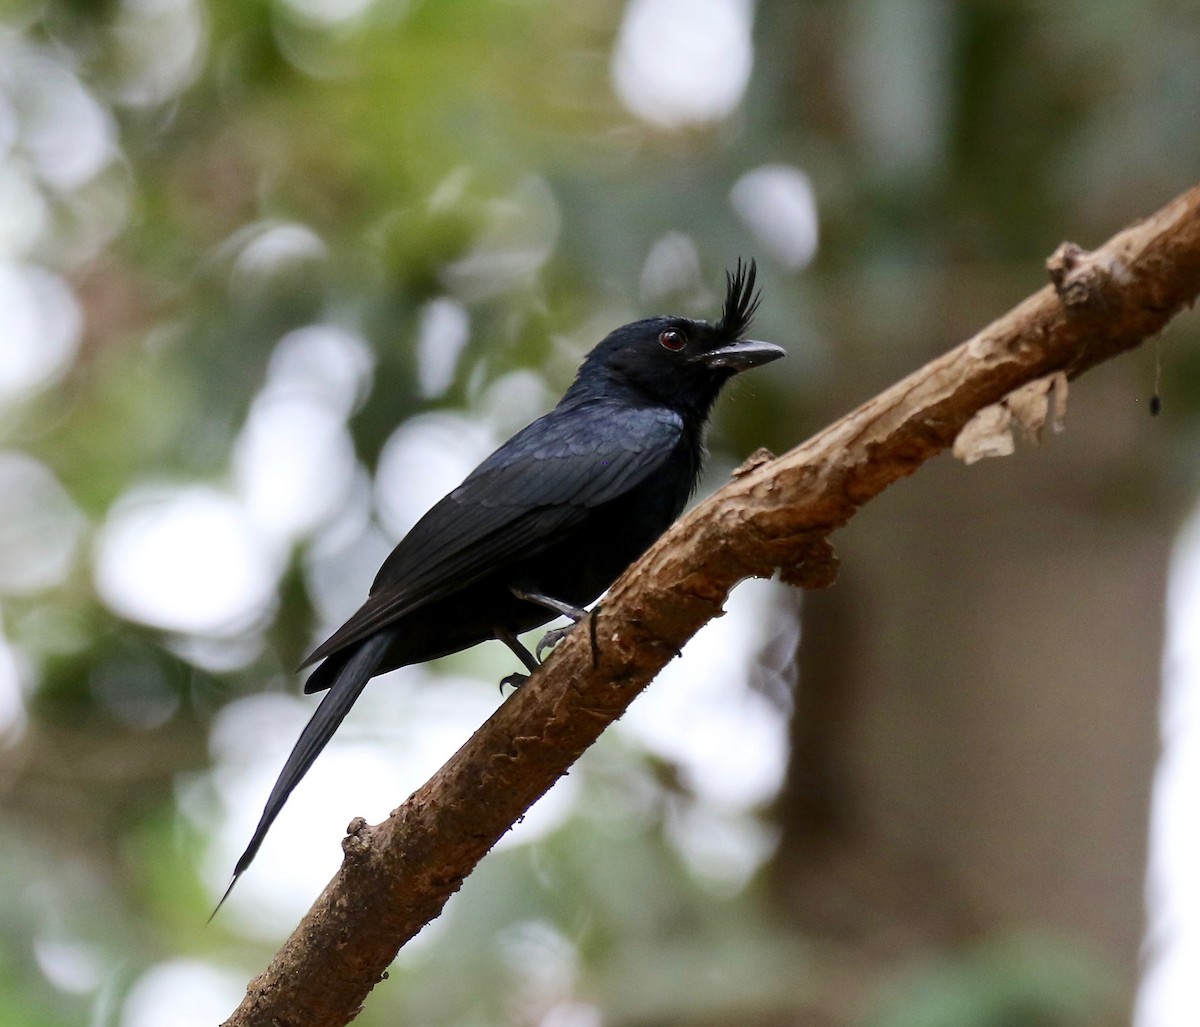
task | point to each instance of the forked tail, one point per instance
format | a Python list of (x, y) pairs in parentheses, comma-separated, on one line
[(349, 681)]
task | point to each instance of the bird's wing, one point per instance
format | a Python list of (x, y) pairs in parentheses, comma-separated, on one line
[(520, 500)]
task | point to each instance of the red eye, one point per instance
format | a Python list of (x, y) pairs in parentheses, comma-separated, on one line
[(672, 339)]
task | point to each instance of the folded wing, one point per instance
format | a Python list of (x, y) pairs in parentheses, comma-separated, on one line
[(524, 498)]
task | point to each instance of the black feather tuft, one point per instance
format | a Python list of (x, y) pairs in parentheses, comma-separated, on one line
[(741, 300)]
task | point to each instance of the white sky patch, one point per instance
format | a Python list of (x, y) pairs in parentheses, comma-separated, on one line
[(294, 464), (512, 401), (9, 125), (66, 134), (444, 331), (23, 212), (160, 47), (572, 1014), (39, 526), (62, 188), (270, 247), (341, 561), (672, 269), (71, 966), (729, 740), (777, 203), (721, 848), (324, 362), (331, 13), (218, 654), (184, 559), (183, 993), (425, 458), (680, 62), (40, 331), (543, 967), (12, 695), (1170, 993)]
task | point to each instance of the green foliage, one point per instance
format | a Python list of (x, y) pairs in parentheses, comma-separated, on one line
[(1021, 980)]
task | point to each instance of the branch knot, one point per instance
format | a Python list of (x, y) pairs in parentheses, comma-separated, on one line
[(357, 842), (1083, 279)]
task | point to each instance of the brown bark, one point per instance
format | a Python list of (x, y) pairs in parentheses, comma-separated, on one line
[(775, 514)]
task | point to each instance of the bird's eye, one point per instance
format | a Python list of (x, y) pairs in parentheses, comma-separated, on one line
[(672, 339)]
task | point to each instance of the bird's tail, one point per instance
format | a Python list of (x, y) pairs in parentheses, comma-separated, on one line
[(349, 681)]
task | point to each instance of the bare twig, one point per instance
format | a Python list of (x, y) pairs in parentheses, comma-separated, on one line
[(776, 514)]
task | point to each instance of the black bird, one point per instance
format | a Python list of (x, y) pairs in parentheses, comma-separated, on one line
[(544, 524)]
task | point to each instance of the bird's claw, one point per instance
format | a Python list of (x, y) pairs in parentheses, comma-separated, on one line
[(551, 638), (514, 681)]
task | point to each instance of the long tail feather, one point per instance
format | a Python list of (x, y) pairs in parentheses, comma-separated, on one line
[(351, 679)]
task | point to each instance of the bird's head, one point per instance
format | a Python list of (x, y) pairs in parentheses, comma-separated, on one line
[(680, 362)]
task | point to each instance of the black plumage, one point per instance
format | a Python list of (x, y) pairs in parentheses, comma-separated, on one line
[(547, 522)]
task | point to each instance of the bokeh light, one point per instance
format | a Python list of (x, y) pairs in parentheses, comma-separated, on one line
[(444, 330), (185, 558), (681, 62), (778, 204), (40, 528), (1171, 989), (182, 993), (41, 329)]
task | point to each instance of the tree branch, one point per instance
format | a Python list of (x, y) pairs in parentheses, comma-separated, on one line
[(776, 513)]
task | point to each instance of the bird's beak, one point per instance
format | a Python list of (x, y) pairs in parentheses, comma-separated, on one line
[(741, 355)]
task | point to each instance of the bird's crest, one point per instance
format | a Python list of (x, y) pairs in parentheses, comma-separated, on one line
[(741, 300)]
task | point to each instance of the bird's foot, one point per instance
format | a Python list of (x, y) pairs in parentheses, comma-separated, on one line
[(551, 638), (514, 681)]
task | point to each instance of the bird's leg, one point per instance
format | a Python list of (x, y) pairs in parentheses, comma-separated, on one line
[(548, 640), (551, 638), (574, 613), (524, 655)]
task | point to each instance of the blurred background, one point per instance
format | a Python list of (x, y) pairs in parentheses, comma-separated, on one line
[(275, 275)]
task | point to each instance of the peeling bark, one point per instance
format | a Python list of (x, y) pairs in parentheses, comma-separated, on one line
[(776, 514)]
